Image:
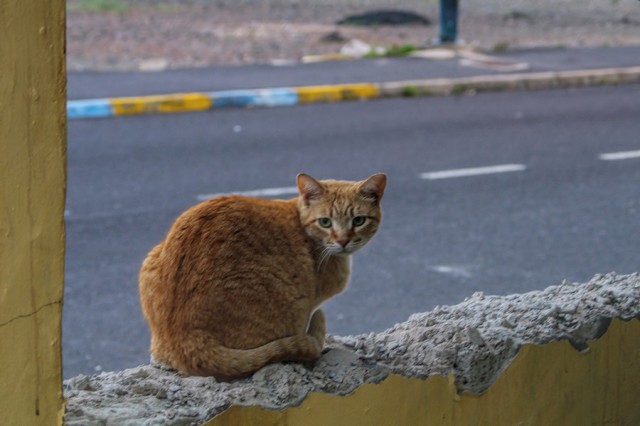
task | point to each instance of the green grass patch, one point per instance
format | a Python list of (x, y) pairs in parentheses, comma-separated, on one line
[(409, 91), (98, 5), (119, 6), (392, 51), (500, 46), (458, 89), (402, 50)]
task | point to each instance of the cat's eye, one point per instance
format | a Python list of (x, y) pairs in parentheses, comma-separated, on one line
[(359, 220), (324, 222)]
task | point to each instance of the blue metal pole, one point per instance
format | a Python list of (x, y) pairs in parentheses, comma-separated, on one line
[(448, 21)]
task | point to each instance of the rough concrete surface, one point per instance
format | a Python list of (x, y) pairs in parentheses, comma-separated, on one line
[(476, 340)]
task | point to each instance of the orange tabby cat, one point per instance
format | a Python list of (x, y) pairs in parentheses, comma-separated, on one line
[(237, 282)]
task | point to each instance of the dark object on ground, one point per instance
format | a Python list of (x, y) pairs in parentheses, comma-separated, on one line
[(385, 17), (516, 14), (334, 37)]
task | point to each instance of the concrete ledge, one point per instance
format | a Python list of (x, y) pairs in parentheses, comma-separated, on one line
[(545, 357), (286, 96), (549, 384)]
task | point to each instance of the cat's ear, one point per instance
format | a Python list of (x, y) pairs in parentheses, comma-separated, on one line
[(310, 189), (373, 187)]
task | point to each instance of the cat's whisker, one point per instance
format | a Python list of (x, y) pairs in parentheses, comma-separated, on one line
[(320, 248), (324, 257)]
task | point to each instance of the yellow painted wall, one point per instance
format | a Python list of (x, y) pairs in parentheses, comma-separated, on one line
[(550, 384), (32, 191)]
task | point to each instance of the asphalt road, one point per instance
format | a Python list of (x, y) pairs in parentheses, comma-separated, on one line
[(558, 211), (82, 85)]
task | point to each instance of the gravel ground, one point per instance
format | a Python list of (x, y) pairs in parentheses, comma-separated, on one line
[(149, 34)]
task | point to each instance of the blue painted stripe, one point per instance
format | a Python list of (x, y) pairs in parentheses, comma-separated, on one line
[(260, 97), (89, 108), (232, 98), (278, 97)]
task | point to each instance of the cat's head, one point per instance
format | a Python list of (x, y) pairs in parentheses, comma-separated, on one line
[(341, 216)]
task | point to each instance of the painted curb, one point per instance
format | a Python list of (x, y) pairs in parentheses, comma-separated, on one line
[(287, 96)]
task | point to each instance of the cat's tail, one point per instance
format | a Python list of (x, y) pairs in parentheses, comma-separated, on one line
[(227, 364)]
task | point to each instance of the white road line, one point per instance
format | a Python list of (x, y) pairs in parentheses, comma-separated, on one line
[(622, 155), (454, 270), (267, 192), (474, 171)]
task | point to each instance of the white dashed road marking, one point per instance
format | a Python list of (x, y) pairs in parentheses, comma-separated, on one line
[(267, 192), (441, 174), (623, 155), (474, 171), (453, 270)]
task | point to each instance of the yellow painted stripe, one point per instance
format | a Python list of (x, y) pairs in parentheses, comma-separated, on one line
[(161, 103), (342, 92)]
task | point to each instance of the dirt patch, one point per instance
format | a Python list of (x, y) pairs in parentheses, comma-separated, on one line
[(476, 340), (130, 34)]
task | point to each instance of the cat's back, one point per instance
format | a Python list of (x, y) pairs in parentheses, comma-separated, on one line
[(228, 216), (236, 228)]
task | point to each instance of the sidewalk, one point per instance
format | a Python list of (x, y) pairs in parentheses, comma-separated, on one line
[(104, 94)]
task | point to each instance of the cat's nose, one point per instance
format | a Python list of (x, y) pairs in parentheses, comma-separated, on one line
[(343, 243)]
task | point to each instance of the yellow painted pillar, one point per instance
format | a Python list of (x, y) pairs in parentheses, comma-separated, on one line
[(32, 192)]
